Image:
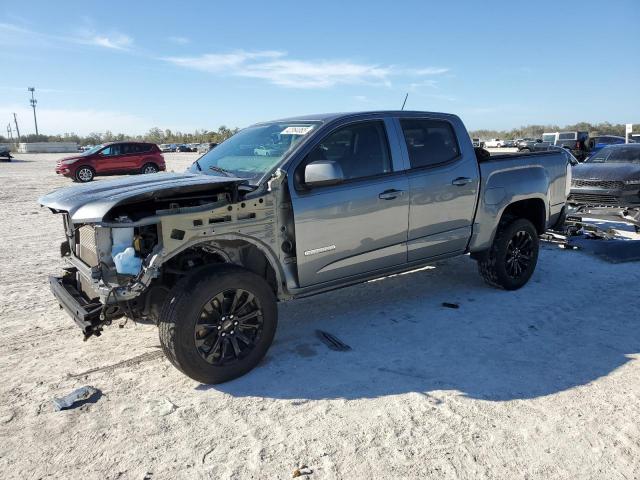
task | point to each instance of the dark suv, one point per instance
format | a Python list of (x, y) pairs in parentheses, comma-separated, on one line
[(112, 159), (576, 142)]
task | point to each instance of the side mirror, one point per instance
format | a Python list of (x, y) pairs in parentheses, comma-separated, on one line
[(323, 172)]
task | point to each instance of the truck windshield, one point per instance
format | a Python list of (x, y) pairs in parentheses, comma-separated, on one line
[(549, 137), (254, 151)]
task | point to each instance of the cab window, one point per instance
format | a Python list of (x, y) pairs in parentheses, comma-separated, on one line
[(361, 149), (429, 142)]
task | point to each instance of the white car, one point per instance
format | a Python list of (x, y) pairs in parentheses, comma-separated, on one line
[(493, 143)]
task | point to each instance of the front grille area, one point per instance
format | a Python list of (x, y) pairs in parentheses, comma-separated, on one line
[(594, 199), (86, 248), (606, 184)]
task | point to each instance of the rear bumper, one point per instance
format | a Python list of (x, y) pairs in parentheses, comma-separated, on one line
[(86, 314)]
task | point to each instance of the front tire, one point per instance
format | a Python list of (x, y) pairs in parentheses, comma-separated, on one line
[(218, 323), (513, 256), (85, 174)]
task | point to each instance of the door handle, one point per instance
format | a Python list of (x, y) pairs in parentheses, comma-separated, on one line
[(390, 194), (461, 181)]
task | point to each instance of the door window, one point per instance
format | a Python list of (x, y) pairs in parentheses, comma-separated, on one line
[(361, 149), (141, 147), (128, 148), (112, 150), (429, 142)]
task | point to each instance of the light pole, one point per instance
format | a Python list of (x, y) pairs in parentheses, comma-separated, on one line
[(9, 133), (33, 102), (15, 120)]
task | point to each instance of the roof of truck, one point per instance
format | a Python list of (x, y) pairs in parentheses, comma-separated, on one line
[(327, 117)]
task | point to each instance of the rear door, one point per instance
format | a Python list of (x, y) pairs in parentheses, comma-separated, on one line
[(360, 225), (567, 139), (145, 153), (130, 157), (443, 183)]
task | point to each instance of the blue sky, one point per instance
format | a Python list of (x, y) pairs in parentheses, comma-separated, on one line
[(129, 66)]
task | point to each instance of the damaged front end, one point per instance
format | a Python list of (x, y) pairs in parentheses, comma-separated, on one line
[(108, 267), (115, 242)]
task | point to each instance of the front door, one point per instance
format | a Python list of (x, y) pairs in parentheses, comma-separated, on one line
[(443, 181), (110, 159), (360, 225)]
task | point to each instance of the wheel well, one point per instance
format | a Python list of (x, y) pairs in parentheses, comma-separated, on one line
[(532, 209), (237, 252)]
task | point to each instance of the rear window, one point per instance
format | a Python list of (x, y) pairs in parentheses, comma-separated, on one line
[(567, 136), (142, 147), (429, 142), (549, 137)]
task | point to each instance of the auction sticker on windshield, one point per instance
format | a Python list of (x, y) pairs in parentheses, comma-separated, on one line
[(297, 130)]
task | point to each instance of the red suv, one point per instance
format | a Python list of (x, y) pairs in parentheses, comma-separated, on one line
[(112, 159)]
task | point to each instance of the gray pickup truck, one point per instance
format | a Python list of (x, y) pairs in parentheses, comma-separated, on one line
[(292, 208)]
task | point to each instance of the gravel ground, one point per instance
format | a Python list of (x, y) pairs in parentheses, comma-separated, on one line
[(539, 383)]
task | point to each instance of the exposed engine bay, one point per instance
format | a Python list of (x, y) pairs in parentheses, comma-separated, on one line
[(126, 263)]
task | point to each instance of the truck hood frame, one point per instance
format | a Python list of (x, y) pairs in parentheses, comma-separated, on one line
[(91, 202)]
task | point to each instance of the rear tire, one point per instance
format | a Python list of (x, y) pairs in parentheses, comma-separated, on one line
[(513, 256), (149, 168), (218, 323), (85, 174)]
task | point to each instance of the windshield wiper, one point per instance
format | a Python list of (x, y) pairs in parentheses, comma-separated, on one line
[(226, 173)]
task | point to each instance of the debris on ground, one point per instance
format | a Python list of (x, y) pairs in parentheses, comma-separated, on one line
[(163, 407), (6, 418), (333, 342), (302, 470), (77, 398), (450, 305)]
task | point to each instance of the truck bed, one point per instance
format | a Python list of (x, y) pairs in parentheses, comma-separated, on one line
[(508, 178)]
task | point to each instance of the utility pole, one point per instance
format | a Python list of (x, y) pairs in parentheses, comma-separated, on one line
[(33, 102), (15, 120)]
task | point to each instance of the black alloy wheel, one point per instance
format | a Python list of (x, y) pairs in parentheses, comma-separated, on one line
[(229, 326), (519, 254)]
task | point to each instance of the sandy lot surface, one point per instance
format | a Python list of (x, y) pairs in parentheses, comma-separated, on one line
[(539, 383)]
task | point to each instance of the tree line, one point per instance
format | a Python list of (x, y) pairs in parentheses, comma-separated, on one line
[(155, 135), (536, 131)]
